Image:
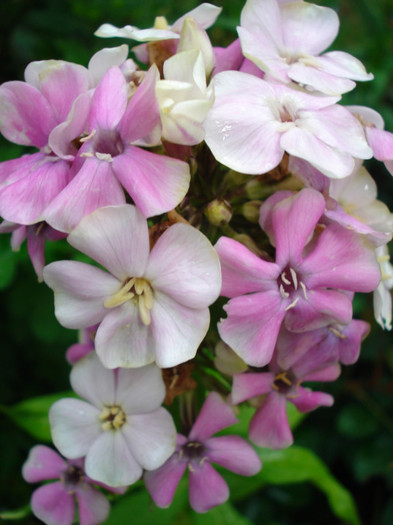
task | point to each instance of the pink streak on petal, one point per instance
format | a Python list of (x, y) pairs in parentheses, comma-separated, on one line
[(43, 463), (234, 454), (156, 183), (207, 488), (215, 415), (243, 271), (269, 427), (80, 292), (162, 483), (246, 386), (184, 265), (117, 237), (53, 505)]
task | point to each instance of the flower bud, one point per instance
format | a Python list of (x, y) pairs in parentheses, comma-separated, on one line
[(218, 212), (192, 36), (250, 210)]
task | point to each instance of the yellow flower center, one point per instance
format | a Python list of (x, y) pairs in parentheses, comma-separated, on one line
[(138, 290), (112, 417)]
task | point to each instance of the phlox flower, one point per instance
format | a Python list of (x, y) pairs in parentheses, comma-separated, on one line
[(286, 39), (304, 287), (152, 306), (253, 122), (55, 503), (196, 452), (110, 156), (120, 428), (269, 426)]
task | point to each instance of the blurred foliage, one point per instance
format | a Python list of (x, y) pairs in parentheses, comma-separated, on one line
[(354, 438)]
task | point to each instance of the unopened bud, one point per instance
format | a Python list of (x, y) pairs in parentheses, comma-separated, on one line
[(250, 211), (193, 36), (218, 212), (227, 362)]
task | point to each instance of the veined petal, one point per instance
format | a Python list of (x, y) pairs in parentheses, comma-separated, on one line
[(43, 463), (110, 461), (94, 506), (207, 488), (80, 291), (75, 425), (162, 483), (319, 79), (91, 381), (243, 271), (343, 64), (53, 505), (151, 437), (215, 415), (139, 390), (117, 237), (252, 325), (234, 454), (94, 186), (184, 265), (269, 427), (178, 330), (109, 101), (156, 183)]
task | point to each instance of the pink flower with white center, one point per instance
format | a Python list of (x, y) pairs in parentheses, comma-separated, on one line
[(54, 503), (53, 98), (196, 452), (120, 428), (269, 426), (304, 287), (110, 158), (152, 306), (286, 39), (253, 122)]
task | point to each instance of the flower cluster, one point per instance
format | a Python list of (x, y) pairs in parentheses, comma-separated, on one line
[(155, 174)]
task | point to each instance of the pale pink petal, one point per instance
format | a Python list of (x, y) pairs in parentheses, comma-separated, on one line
[(328, 160), (308, 28), (15, 169), (156, 183), (110, 460), (178, 330), (228, 58), (92, 187), (306, 400), (94, 383), (234, 454), (246, 386), (25, 200), (322, 307), (109, 100), (93, 505), (117, 237), (80, 292), (243, 271), (292, 227), (207, 488), (43, 463), (36, 251), (162, 483), (142, 113), (123, 340), (139, 390), (269, 427), (319, 79), (205, 14), (215, 415), (184, 265), (331, 263), (26, 117), (349, 346), (252, 326), (263, 16), (345, 65), (53, 505), (241, 129), (105, 58), (150, 437), (75, 425), (381, 142)]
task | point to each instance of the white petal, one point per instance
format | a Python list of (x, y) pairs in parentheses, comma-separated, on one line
[(140, 390), (91, 381)]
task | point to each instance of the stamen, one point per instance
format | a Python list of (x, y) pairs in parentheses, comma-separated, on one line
[(283, 293), (88, 137), (112, 417), (304, 290), (383, 258), (283, 278), (294, 303), (87, 154), (104, 156), (337, 332), (141, 293), (294, 277), (284, 378)]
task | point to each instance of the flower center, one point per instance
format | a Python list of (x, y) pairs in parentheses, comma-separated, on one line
[(112, 417), (193, 452), (289, 284), (283, 382), (72, 477), (138, 290)]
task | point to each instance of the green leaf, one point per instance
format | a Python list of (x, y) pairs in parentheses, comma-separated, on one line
[(17, 514), (224, 514), (32, 414)]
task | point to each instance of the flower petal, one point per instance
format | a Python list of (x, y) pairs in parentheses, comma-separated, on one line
[(43, 463), (234, 454), (306, 400), (93, 505), (207, 488), (109, 101), (53, 505), (162, 483), (140, 390), (269, 427), (215, 415), (246, 386)]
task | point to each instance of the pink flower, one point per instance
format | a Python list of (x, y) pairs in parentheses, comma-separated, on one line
[(253, 122), (152, 306), (54, 503), (304, 287), (110, 158), (120, 428), (85, 345), (286, 39), (196, 452)]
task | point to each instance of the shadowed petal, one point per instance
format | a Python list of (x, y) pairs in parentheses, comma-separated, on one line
[(269, 427), (207, 488), (306, 400), (162, 483), (53, 505), (93, 505), (250, 385), (140, 390), (234, 454)]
